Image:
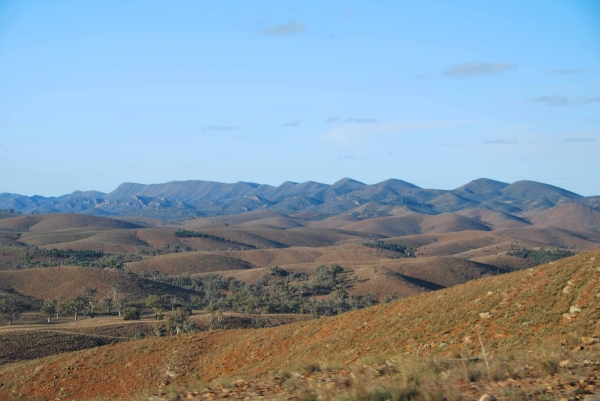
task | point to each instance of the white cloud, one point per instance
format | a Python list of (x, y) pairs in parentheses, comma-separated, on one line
[(555, 100), (475, 69), (292, 124), (590, 100), (566, 71), (219, 128), (578, 139), (290, 28)]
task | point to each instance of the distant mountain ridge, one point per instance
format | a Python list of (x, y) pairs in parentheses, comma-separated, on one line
[(195, 198)]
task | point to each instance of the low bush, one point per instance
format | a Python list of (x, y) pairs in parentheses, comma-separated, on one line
[(131, 313)]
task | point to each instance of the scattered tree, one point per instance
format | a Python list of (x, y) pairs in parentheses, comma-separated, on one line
[(10, 307), (178, 321), (76, 305), (172, 301), (61, 308), (108, 303), (155, 303), (120, 304), (89, 294), (49, 308)]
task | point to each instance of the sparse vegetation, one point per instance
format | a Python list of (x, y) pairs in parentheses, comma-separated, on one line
[(284, 293), (75, 305), (378, 244), (156, 303), (540, 256), (188, 234), (131, 313), (37, 257), (11, 211), (10, 307), (277, 271), (49, 309), (178, 321)]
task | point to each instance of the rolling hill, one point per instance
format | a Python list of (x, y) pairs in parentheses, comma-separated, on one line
[(51, 222), (66, 281), (550, 304), (195, 198)]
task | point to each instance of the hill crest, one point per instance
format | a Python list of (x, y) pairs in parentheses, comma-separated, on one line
[(197, 198)]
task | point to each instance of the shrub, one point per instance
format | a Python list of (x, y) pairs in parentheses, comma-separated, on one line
[(391, 298), (131, 313), (277, 271), (178, 321), (139, 336)]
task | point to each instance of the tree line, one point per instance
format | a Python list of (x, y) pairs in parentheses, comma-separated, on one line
[(36, 257), (378, 244), (187, 233), (85, 303), (540, 256)]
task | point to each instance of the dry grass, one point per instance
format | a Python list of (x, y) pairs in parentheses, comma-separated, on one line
[(416, 224), (528, 310), (189, 262), (64, 281), (517, 375), (19, 345), (41, 238), (51, 222), (570, 213)]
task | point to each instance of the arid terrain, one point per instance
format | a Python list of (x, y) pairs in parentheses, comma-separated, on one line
[(538, 327), (306, 303)]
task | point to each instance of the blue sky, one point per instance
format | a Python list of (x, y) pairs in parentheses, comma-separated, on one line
[(437, 93)]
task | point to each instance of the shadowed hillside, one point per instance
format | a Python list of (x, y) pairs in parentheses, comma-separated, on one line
[(66, 281), (194, 198), (53, 222)]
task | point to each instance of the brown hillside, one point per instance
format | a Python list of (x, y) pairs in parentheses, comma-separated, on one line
[(416, 224), (41, 238), (571, 213), (142, 221), (229, 219), (494, 218), (107, 241), (443, 271), (495, 249), (49, 222), (6, 215), (66, 281), (158, 237), (542, 306), (275, 238), (278, 222), (381, 277), (340, 254), (383, 281), (447, 245), (337, 221), (505, 262), (10, 239), (580, 239), (45, 343), (188, 262)]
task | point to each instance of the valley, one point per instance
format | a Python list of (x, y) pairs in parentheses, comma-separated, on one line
[(297, 281)]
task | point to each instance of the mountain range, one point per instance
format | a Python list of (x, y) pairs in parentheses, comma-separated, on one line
[(312, 200)]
